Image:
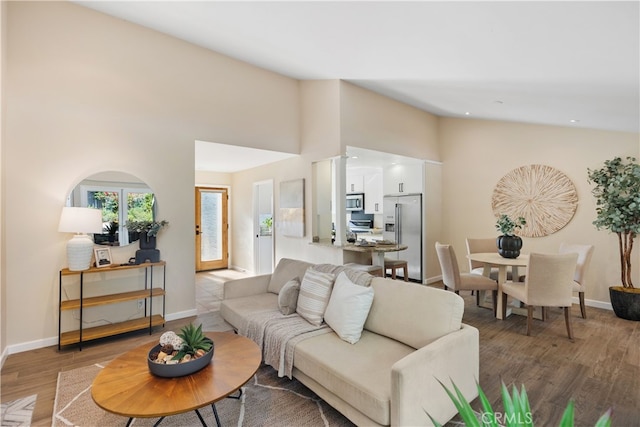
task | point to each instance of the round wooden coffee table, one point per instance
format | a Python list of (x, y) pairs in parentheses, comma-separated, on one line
[(126, 387)]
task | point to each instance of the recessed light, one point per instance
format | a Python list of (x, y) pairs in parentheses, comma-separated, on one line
[(467, 113), (574, 121)]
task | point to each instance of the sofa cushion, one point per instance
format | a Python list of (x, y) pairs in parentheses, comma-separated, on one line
[(348, 308), (411, 313), (235, 311), (359, 374), (288, 297), (286, 270), (315, 290), (358, 277)]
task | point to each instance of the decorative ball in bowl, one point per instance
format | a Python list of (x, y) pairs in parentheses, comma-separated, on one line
[(181, 354)]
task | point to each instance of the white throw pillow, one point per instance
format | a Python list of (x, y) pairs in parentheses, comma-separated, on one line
[(348, 308), (315, 291)]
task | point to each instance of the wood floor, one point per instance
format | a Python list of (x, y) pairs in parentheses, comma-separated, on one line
[(600, 369)]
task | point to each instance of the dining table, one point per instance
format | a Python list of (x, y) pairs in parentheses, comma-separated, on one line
[(494, 259)]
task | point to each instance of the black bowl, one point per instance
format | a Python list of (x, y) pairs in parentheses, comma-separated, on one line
[(178, 369)]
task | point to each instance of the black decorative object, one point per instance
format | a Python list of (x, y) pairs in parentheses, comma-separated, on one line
[(509, 246), (147, 255), (178, 369), (147, 241)]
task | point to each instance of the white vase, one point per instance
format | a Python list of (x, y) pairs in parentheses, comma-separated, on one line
[(79, 252)]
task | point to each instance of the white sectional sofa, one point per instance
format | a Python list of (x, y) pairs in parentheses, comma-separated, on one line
[(413, 336)]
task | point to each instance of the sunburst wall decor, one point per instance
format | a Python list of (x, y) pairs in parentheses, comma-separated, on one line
[(543, 195)]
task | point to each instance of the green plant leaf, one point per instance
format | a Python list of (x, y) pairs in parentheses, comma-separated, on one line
[(605, 419), (487, 409), (464, 408), (568, 415)]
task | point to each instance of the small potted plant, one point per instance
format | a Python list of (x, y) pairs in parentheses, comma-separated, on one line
[(112, 230), (148, 231), (509, 244), (617, 193)]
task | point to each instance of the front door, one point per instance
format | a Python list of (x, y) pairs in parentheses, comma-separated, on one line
[(212, 228)]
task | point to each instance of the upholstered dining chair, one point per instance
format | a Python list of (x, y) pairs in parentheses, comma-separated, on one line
[(456, 281), (548, 283), (585, 252), (484, 245)]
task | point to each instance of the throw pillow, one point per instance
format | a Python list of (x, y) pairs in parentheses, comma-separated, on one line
[(315, 291), (348, 308), (288, 297)]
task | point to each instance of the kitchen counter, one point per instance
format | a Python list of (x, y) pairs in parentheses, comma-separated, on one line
[(374, 254)]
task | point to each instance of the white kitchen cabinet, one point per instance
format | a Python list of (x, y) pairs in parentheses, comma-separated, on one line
[(407, 178), (373, 193), (355, 183)]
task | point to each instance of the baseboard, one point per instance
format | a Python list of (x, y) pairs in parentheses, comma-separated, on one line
[(47, 342), (32, 345), (595, 303), (181, 315), (5, 353), (432, 280), (239, 269)]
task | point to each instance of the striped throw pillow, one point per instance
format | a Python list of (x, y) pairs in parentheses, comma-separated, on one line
[(315, 291)]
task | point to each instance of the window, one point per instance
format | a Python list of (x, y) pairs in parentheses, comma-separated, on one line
[(139, 206)]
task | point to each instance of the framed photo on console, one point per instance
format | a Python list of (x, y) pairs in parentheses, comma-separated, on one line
[(103, 257)]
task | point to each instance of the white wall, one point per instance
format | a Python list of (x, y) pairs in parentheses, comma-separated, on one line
[(373, 121), (477, 154), (3, 287), (121, 97), (87, 93)]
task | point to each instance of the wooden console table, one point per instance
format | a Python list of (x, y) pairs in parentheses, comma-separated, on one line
[(149, 320)]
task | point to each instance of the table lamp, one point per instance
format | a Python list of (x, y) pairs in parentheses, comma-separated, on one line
[(80, 247)]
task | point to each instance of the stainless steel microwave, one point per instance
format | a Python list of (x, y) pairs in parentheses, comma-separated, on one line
[(355, 202)]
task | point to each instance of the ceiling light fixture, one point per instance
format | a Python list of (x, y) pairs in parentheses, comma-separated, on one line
[(574, 121), (467, 113)]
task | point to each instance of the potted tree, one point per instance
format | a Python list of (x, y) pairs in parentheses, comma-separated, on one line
[(509, 244), (617, 193)]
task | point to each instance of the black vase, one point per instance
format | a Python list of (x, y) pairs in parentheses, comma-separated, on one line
[(147, 242), (509, 246)]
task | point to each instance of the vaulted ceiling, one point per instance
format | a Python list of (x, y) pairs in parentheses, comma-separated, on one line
[(566, 63)]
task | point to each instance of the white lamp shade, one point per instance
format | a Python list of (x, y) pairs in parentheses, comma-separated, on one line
[(80, 220), (80, 247)]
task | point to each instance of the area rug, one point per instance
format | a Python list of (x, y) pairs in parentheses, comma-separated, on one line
[(266, 401), (18, 412)]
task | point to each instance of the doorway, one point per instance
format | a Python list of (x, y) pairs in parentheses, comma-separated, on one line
[(263, 226), (212, 228)]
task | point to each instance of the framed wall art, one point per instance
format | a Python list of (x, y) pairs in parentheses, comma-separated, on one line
[(292, 208), (103, 257)]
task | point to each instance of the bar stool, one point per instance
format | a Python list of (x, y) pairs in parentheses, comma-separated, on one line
[(374, 270), (394, 265)]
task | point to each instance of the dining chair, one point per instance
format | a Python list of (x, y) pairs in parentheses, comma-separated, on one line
[(548, 283), (456, 281), (484, 245), (585, 252)]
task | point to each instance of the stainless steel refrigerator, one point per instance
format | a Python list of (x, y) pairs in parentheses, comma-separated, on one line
[(403, 224)]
